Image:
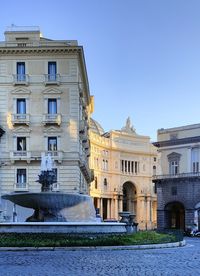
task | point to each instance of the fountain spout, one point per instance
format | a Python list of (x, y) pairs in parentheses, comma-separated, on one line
[(47, 176)]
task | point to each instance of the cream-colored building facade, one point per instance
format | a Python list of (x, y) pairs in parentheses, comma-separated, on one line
[(45, 107), (123, 164)]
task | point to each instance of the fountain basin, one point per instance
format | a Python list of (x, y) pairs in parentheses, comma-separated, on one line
[(55, 206), (70, 228)]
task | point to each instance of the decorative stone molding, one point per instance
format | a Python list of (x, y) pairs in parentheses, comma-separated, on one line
[(174, 156), (21, 130), (21, 91), (41, 50), (52, 129), (52, 91)]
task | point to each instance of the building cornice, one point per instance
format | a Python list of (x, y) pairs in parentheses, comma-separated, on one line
[(175, 142), (40, 50)]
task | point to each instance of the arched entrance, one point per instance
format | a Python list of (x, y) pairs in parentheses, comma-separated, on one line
[(175, 215), (197, 215), (129, 197)]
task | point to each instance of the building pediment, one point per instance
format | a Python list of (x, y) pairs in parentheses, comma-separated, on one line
[(52, 91), (21, 90), (52, 129), (21, 130), (174, 156)]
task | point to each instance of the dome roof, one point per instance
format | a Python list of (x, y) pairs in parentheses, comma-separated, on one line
[(96, 127)]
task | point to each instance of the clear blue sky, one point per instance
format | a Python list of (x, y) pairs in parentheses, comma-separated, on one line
[(143, 56)]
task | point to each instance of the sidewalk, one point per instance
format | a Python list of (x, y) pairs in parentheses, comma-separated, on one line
[(122, 247)]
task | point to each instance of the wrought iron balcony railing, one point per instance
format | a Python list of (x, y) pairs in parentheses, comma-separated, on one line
[(176, 176)]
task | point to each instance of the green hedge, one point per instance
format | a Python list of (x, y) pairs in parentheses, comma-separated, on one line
[(62, 240)]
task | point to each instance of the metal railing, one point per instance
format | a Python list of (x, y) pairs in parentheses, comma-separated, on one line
[(179, 175)]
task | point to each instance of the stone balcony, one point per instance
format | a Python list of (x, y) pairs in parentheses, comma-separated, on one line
[(20, 79), (56, 155), (35, 79), (20, 119), (29, 156), (21, 187), (52, 119), (50, 79), (20, 155)]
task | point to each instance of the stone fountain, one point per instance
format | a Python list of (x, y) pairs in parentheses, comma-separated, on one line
[(70, 213), (53, 206)]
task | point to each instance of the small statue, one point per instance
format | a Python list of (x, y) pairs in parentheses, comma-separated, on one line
[(128, 128)]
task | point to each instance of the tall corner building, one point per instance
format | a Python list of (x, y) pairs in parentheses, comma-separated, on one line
[(45, 107)]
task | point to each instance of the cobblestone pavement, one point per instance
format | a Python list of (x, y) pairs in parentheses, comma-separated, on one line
[(170, 261)]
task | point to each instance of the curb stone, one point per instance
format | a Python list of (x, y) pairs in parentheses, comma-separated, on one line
[(120, 247)]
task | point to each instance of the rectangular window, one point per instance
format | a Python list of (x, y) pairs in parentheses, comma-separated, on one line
[(195, 159), (21, 143), (174, 168), (52, 143), (21, 177), (21, 74), (52, 106), (52, 71), (21, 106)]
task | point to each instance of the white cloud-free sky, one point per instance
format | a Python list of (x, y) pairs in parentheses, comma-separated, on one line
[(142, 56)]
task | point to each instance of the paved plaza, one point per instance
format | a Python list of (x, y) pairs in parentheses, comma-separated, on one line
[(169, 261)]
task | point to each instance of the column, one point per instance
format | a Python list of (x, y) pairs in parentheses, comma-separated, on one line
[(120, 209), (141, 213), (101, 207), (148, 214), (116, 208)]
